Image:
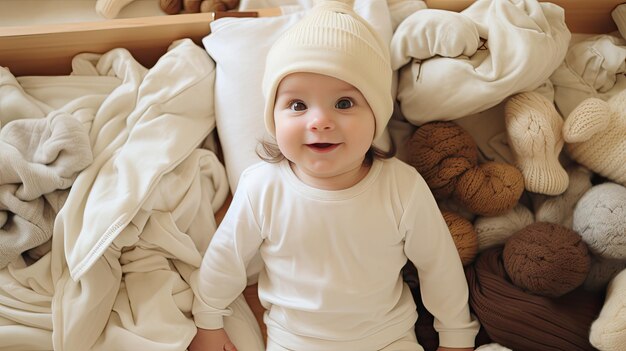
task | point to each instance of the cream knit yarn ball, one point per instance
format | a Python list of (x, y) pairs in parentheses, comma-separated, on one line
[(600, 218)]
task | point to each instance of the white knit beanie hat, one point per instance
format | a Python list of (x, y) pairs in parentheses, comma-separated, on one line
[(335, 41)]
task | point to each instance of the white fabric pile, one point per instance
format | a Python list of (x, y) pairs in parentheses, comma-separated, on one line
[(136, 220)]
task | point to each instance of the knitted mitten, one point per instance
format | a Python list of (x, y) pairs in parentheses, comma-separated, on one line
[(534, 131), (599, 219), (560, 209), (493, 231), (594, 132)]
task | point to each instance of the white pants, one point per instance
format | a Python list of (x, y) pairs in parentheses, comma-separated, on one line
[(406, 343)]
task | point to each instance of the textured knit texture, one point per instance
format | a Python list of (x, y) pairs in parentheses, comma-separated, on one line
[(534, 128), (464, 236), (560, 209), (602, 271), (447, 157), (441, 152), (595, 135), (546, 259), (490, 189), (527, 322), (608, 331), (335, 41), (494, 231), (600, 216)]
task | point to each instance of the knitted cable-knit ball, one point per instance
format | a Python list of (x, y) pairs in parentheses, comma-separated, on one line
[(441, 151), (600, 218), (546, 259), (464, 236), (490, 189)]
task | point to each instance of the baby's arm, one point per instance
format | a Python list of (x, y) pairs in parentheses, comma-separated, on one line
[(211, 340), (444, 290)]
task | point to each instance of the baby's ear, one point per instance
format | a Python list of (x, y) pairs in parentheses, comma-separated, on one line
[(587, 119)]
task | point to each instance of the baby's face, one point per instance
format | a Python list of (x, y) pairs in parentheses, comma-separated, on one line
[(324, 126)]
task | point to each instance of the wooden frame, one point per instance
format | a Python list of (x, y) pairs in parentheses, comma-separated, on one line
[(48, 49)]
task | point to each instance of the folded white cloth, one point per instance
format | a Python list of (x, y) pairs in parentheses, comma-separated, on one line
[(521, 44), (593, 67)]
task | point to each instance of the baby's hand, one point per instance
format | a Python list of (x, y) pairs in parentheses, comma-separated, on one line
[(211, 340)]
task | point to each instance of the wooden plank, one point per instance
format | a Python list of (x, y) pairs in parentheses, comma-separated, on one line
[(581, 16), (48, 49)]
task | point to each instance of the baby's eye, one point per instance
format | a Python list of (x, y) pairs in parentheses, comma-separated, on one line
[(344, 103), (297, 106)]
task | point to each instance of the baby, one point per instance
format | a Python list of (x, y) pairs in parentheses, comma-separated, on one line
[(333, 218)]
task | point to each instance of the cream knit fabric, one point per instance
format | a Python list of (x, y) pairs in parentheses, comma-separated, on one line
[(534, 131), (493, 231), (560, 209), (608, 331), (595, 133), (599, 219), (335, 41)]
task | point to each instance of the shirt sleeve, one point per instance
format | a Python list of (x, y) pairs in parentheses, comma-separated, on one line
[(443, 286), (222, 274)]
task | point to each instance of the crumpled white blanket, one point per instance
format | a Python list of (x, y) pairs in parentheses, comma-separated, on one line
[(455, 64), (136, 221), (39, 159)]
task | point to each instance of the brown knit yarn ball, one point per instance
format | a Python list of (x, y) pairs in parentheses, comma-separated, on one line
[(491, 189), (191, 6), (464, 236), (171, 7), (441, 151), (546, 259), (212, 6)]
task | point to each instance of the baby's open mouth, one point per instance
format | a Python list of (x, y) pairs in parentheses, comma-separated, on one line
[(322, 147)]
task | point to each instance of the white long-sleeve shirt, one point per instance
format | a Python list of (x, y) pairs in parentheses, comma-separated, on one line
[(332, 259)]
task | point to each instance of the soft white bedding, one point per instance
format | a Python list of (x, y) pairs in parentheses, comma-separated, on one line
[(136, 221)]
